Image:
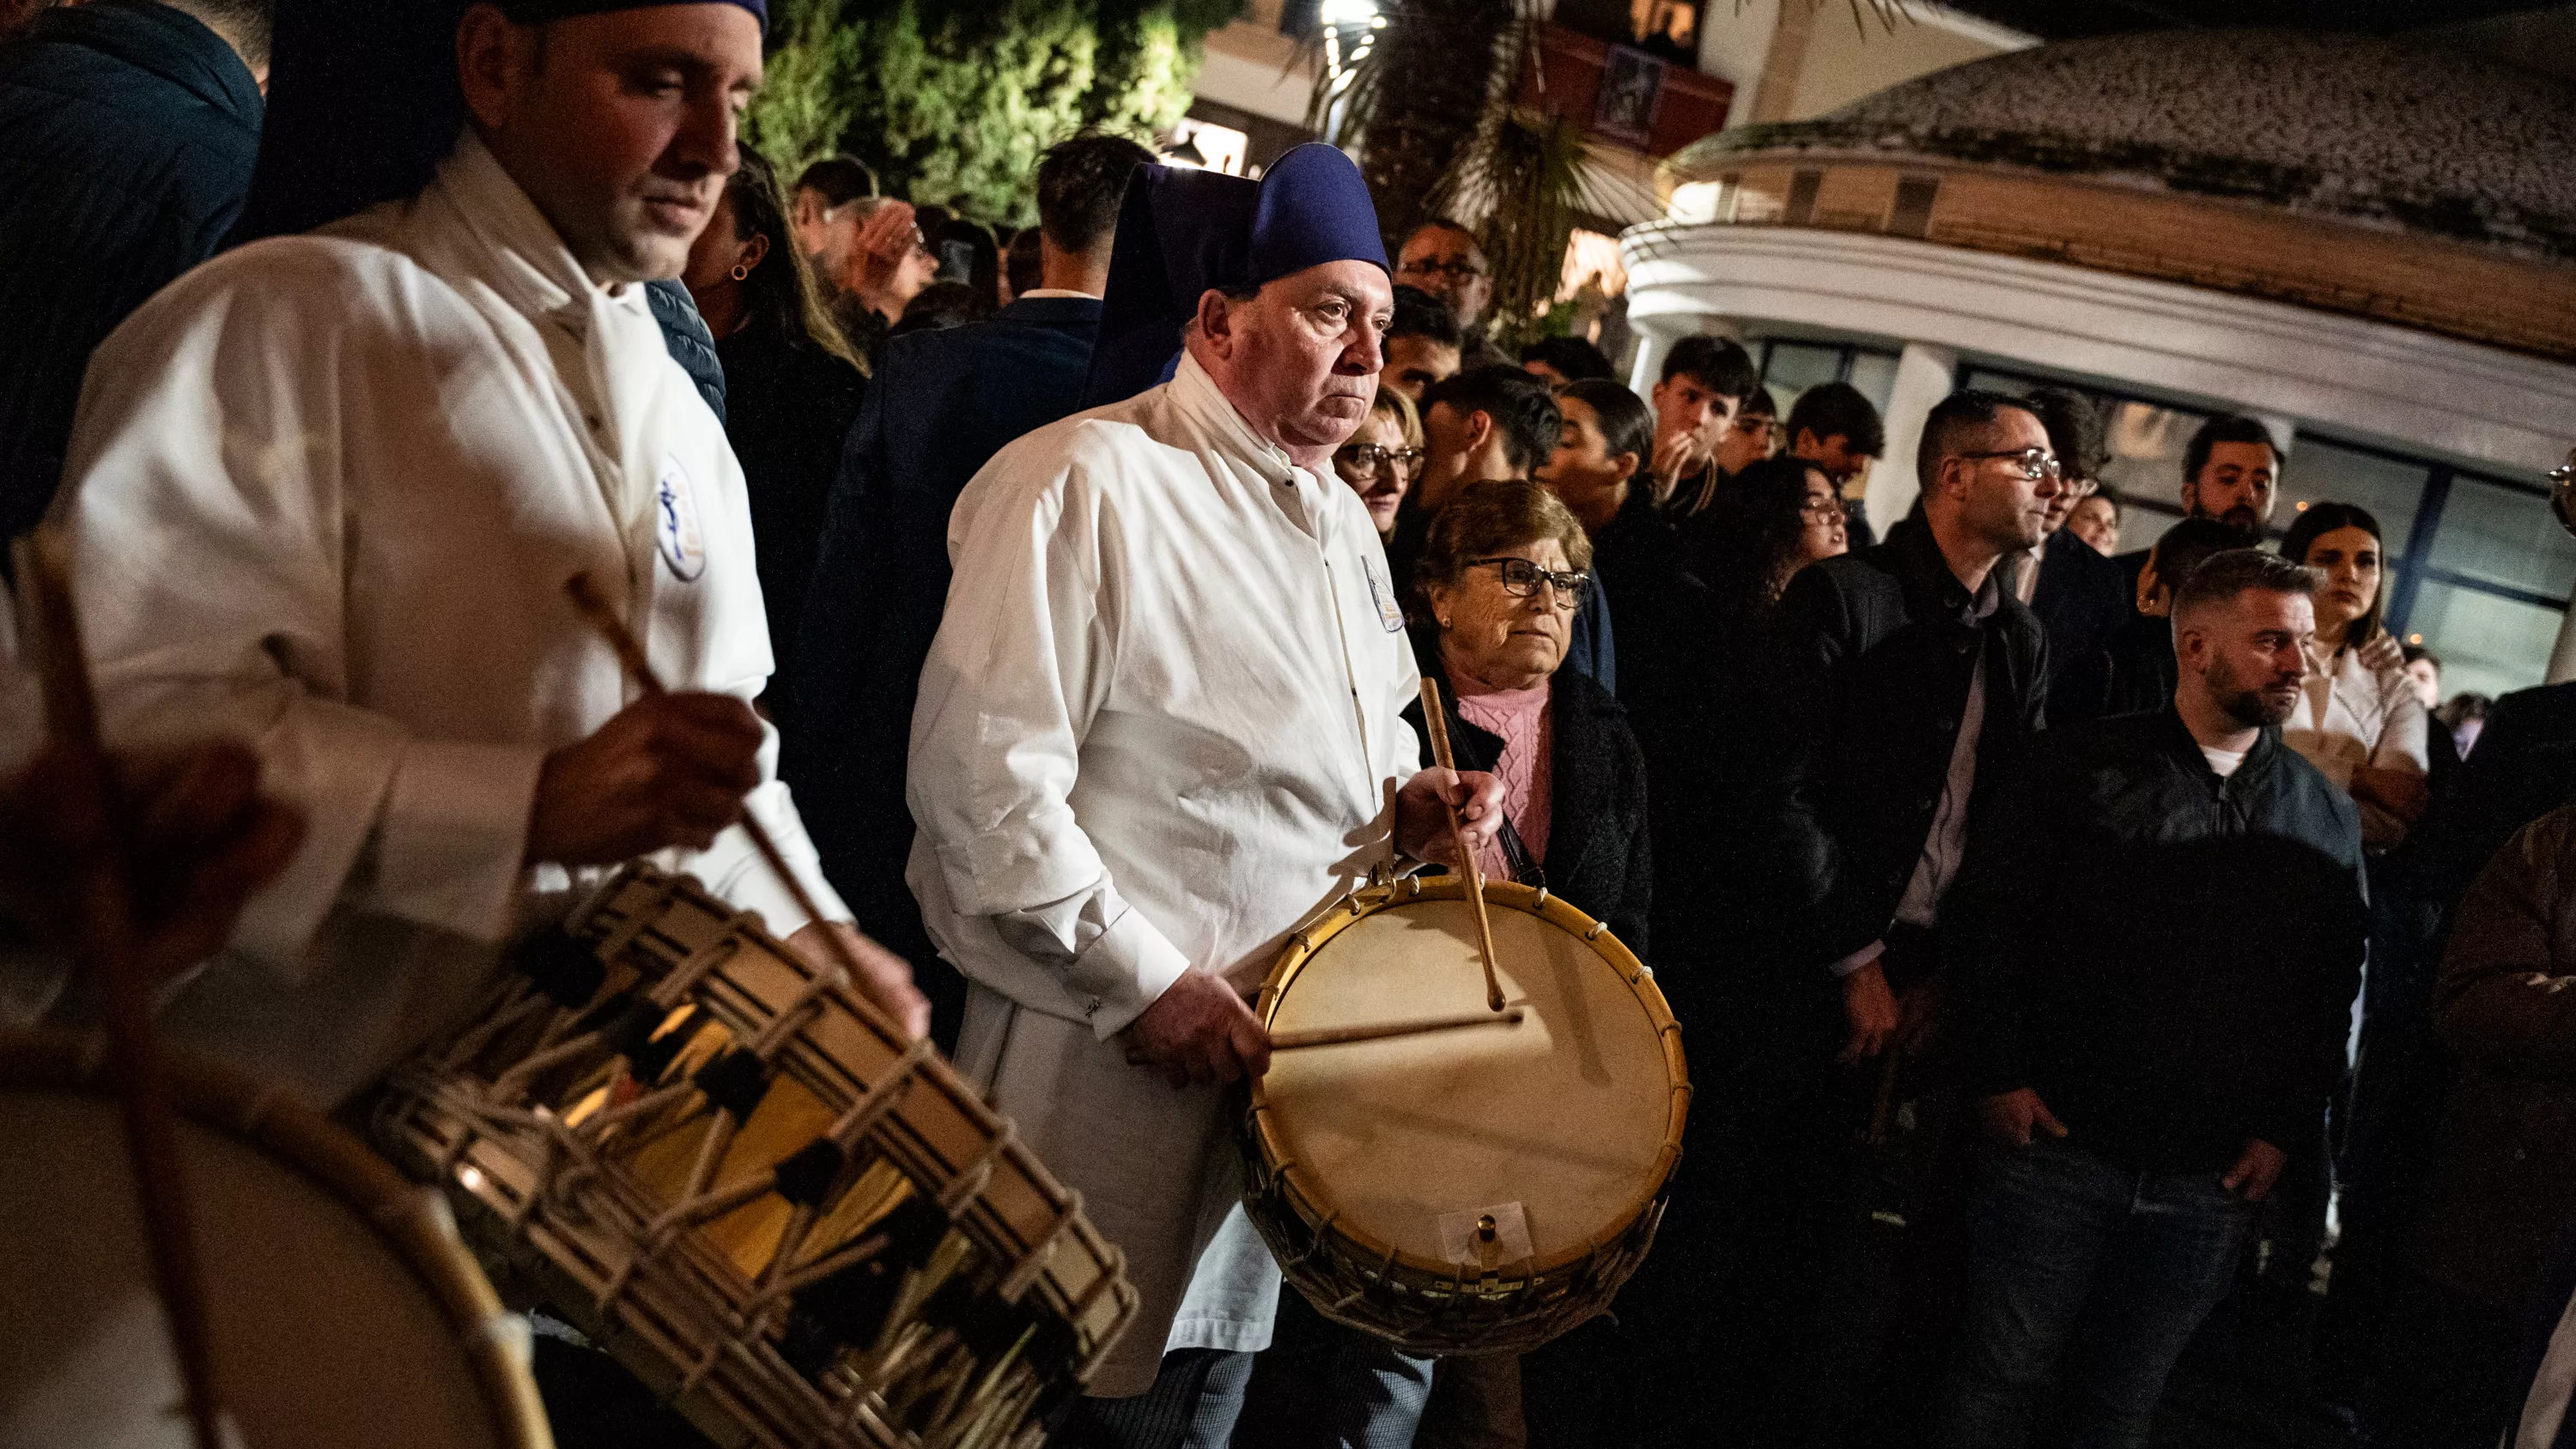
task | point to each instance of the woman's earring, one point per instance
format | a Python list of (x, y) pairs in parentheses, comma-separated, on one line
[(741, 272), (1444, 623)]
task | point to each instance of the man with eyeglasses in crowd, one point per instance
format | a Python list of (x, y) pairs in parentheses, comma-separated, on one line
[(2077, 593), (1443, 258), (1908, 677)]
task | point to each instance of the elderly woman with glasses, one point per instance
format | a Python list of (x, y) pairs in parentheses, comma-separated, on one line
[(1379, 460), (1501, 577)]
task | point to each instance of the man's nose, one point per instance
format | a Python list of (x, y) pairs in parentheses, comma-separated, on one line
[(706, 137)]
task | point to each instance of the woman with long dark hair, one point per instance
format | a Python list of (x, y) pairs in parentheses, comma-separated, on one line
[(792, 383), (2363, 726)]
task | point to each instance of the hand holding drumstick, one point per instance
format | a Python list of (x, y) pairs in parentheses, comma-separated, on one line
[(672, 769)]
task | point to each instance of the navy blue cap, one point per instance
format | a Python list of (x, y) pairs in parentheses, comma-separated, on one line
[(529, 12), (1184, 233)]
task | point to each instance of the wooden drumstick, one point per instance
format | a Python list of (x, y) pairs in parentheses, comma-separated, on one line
[(1289, 1041), (1435, 718), (104, 940), (595, 608)]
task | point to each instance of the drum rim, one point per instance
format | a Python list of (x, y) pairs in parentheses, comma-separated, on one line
[(408, 1218), (1297, 1181)]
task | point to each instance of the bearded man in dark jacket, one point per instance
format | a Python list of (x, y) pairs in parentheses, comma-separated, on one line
[(2157, 946)]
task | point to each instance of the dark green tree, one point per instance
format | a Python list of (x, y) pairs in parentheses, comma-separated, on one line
[(951, 98)]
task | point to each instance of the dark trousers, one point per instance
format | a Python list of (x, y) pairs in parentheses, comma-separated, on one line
[(2445, 1379), (2086, 1280), (1322, 1386), (1196, 1397)]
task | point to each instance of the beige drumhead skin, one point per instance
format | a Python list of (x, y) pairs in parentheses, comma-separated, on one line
[(323, 1335), (1565, 1114)]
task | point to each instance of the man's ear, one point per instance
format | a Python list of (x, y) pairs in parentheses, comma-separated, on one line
[(1215, 321), (487, 47), (2190, 497), (1480, 430)]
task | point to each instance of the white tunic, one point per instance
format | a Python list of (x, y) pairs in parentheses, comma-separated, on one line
[(325, 494), (2349, 715), (1159, 728)]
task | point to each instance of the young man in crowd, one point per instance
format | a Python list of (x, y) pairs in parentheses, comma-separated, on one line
[(1908, 679), (1444, 259), (1557, 361), (1836, 428), (1705, 381), (2159, 941), (127, 134), (1753, 436), (2231, 470), (2142, 652), (1421, 344), (2078, 594), (942, 404), (821, 212)]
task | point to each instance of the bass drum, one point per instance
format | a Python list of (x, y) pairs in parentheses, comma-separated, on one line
[(1464, 1192), (344, 1312)]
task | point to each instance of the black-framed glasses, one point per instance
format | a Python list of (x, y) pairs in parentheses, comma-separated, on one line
[(1521, 579), (2031, 463), (1369, 457), (1454, 271)]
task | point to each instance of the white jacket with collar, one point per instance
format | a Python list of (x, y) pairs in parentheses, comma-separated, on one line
[(324, 495)]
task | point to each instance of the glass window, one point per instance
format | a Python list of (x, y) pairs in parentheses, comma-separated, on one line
[(2489, 644), (2504, 536), (1794, 367), (2321, 472), (1790, 368), (1874, 373)]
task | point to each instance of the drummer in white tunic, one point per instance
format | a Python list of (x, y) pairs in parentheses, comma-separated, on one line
[(325, 492), (1159, 729)]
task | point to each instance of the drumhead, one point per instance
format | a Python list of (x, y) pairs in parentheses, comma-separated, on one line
[(1556, 1127), (325, 1334)]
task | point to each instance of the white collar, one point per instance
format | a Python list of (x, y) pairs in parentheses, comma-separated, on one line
[(1035, 294), (527, 257), (1197, 397)]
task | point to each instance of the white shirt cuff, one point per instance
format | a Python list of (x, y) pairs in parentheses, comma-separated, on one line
[(1859, 958)]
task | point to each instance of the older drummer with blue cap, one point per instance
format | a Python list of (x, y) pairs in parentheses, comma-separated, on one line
[(1160, 728)]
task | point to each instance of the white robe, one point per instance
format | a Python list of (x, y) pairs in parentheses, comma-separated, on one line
[(324, 495), (1159, 728), (2350, 715)]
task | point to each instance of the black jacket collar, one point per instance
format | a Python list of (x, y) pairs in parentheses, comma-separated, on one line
[(2184, 747)]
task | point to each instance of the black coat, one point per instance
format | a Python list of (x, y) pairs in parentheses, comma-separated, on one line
[(1598, 857), (941, 405), (2523, 767), (127, 134), (2082, 604), (2167, 958), (1875, 651), (788, 408)]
